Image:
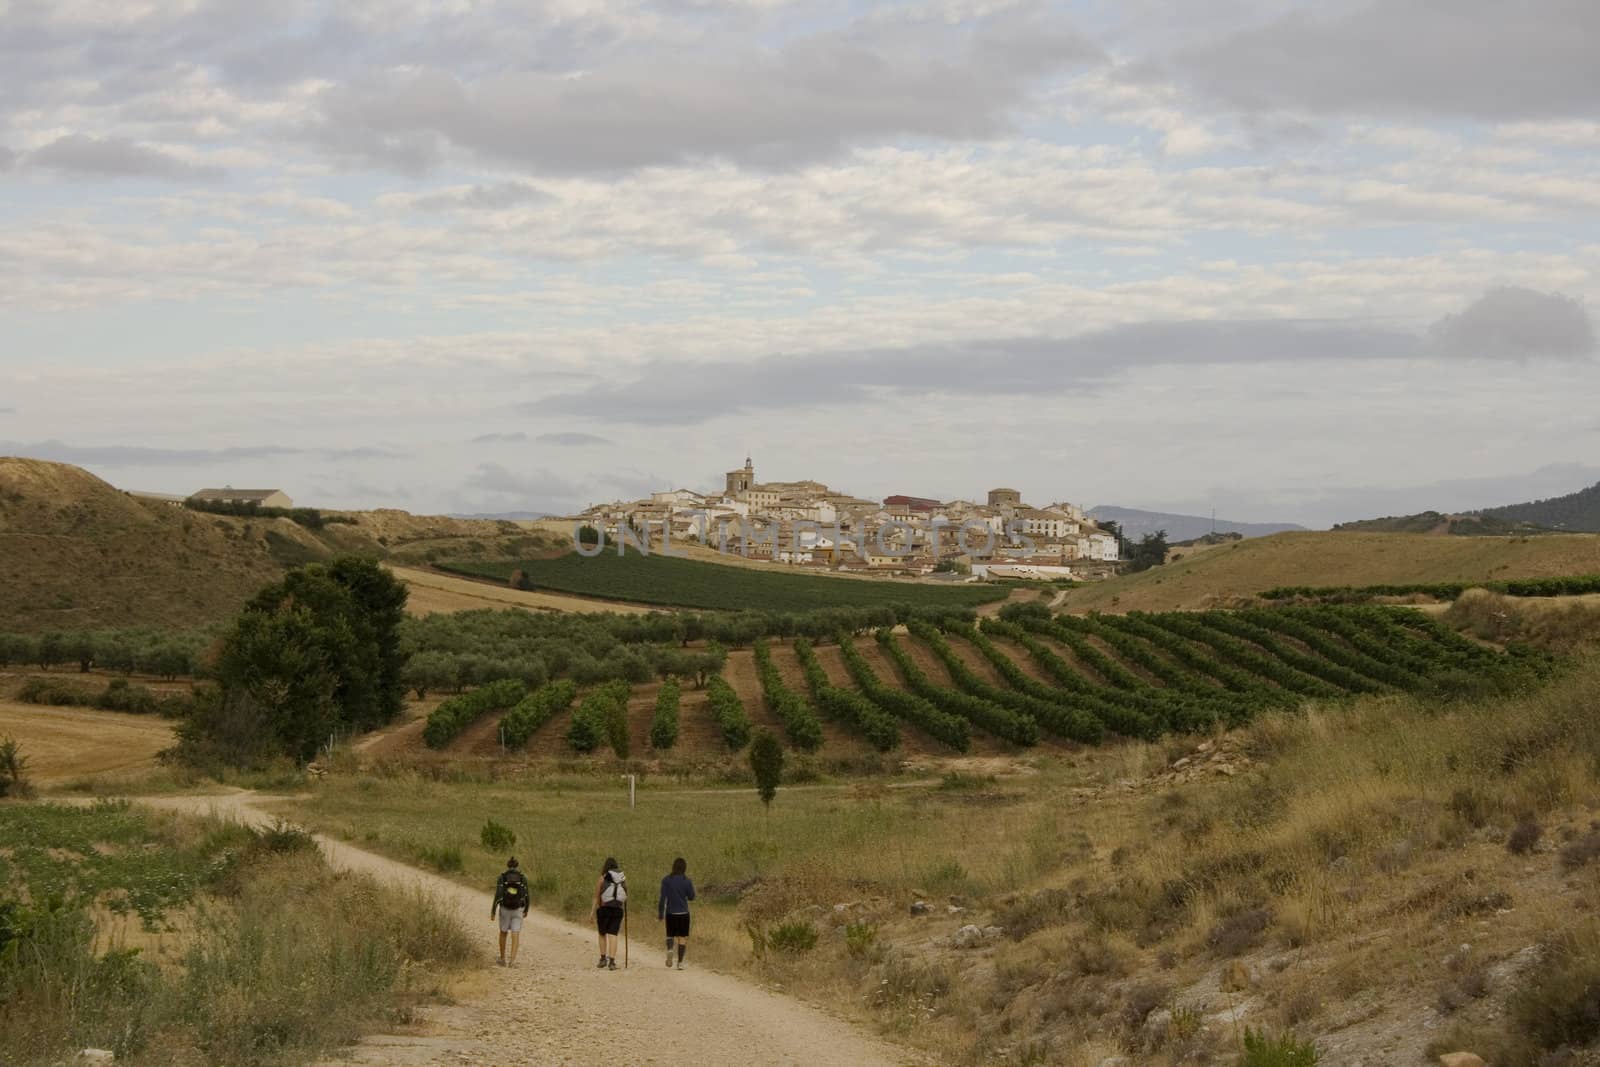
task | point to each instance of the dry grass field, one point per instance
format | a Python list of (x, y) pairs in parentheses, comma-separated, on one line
[(66, 743), (1218, 575)]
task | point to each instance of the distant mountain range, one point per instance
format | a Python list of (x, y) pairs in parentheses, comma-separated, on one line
[(1575, 512), (1136, 523)]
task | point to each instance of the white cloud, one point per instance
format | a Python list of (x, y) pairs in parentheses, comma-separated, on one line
[(435, 214)]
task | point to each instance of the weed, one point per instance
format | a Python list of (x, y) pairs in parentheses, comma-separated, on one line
[(496, 837), (13, 768), (1560, 1004), (1581, 851), (793, 937), (860, 937), (1282, 1050), (1524, 835), (1237, 933), (444, 858)]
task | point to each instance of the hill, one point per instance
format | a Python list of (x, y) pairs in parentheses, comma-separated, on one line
[(1578, 511), (1327, 558), (1136, 523), (76, 553), (1434, 522)]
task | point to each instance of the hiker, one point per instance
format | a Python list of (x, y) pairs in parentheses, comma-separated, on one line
[(610, 902), (511, 901), (673, 907)]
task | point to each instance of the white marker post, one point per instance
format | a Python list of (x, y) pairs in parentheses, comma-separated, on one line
[(632, 781)]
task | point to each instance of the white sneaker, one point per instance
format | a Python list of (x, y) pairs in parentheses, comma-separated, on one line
[(680, 965)]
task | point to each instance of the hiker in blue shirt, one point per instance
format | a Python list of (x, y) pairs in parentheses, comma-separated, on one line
[(673, 906)]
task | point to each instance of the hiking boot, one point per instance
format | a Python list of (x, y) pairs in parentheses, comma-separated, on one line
[(669, 959), (611, 965), (500, 962), (603, 962)]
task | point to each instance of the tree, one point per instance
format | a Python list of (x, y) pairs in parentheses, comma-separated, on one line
[(312, 654), (430, 671), (279, 693), (1151, 551), (766, 762), (51, 650), (588, 535)]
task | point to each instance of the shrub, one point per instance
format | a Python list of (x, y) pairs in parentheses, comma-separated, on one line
[(447, 721), (1581, 852), (1524, 835), (1239, 931), (602, 717), (732, 720), (1559, 1004), (664, 723), (55, 693), (860, 937), (444, 858), (766, 763), (798, 718), (795, 937), (496, 837), (13, 770), (1282, 1050), (536, 709)]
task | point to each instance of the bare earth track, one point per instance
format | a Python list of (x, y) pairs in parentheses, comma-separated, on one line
[(556, 1007)]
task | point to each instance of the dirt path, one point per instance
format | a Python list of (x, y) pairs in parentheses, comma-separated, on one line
[(556, 1007)]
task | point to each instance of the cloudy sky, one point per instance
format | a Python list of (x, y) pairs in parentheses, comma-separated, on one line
[(1299, 262)]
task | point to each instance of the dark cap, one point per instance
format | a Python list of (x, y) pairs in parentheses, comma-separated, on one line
[(512, 862)]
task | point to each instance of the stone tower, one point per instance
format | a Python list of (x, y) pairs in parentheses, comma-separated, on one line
[(1000, 498), (741, 480)]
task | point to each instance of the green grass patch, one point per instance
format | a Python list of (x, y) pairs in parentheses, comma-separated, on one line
[(712, 586)]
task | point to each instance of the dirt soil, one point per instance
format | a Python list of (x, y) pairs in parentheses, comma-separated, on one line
[(434, 593), (556, 1007), (65, 743)]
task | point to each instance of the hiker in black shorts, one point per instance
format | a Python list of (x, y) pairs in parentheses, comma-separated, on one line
[(610, 898), (511, 901), (673, 906)]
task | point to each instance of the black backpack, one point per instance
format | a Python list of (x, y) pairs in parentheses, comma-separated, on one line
[(513, 890)]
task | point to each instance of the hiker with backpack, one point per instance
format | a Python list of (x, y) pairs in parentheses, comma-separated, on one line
[(610, 905), (511, 900), (673, 907)]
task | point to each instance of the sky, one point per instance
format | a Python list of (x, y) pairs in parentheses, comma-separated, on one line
[(1294, 262)]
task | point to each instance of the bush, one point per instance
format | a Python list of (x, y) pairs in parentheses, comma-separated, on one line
[(664, 723), (766, 763), (1560, 1002), (859, 937), (444, 858), (496, 837), (446, 722), (728, 711), (1524, 835), (13, 772), (795, 937), (602, 717), (1283, 1050), (54, 693), (536, 709)]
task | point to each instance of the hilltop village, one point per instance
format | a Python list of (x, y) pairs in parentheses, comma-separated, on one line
[(807, 524)]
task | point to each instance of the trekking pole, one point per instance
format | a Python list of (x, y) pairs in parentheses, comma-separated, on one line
[(624, 935)]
